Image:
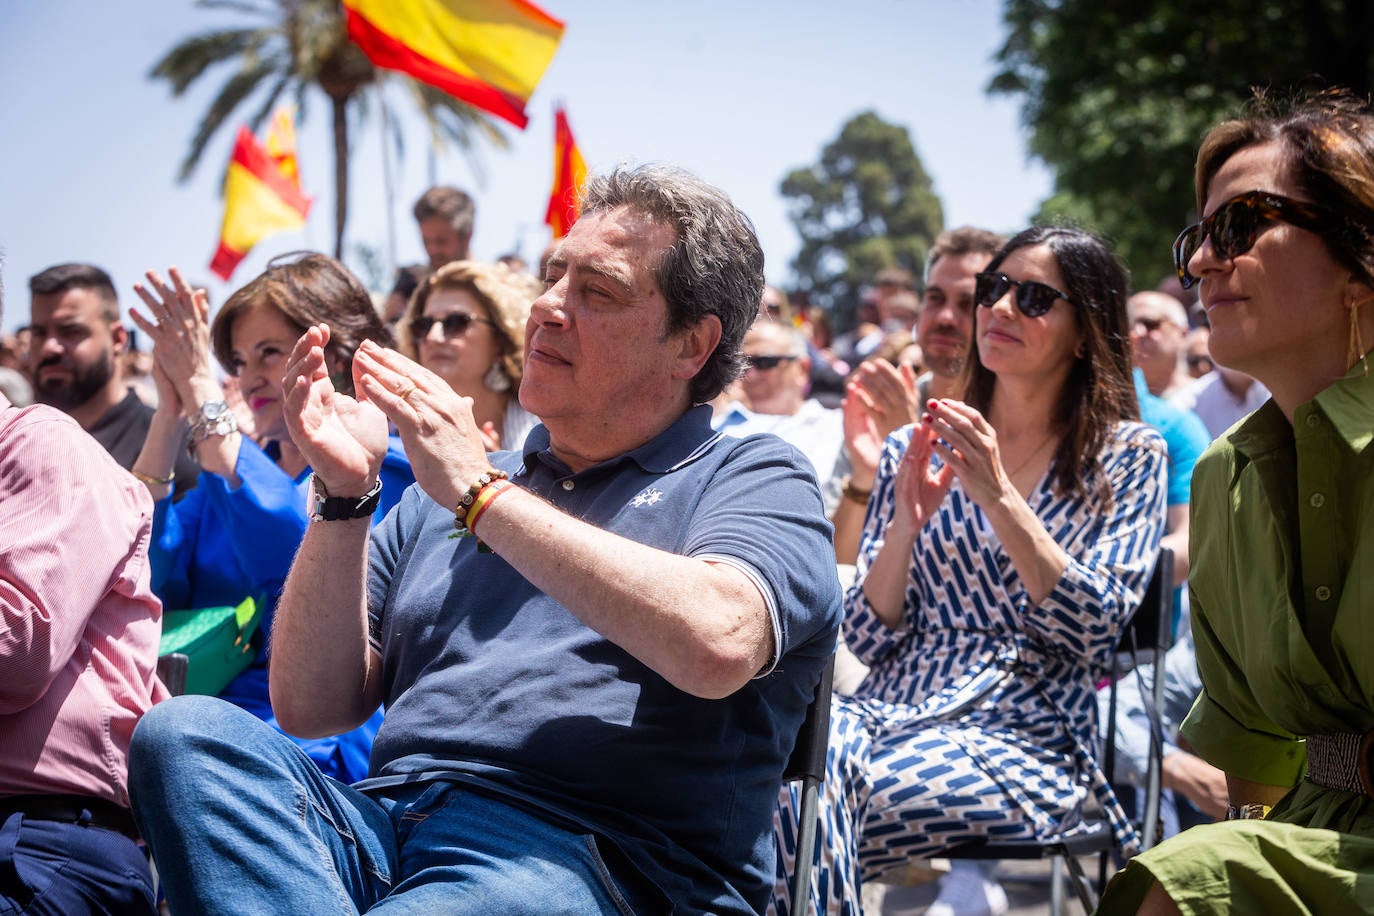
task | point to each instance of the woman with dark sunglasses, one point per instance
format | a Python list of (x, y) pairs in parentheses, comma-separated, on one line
[(234, 535), (1008, 540), (466, 324), (1282, 578)]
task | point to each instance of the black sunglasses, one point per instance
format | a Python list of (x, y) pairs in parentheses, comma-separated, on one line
[(1032, 297), (764, 363), (454, 324), (1236, 224)]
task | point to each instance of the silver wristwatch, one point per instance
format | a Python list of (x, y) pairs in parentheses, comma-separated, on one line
[(214, 418)]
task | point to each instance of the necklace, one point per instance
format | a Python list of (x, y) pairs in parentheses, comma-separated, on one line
[(1029, 458)]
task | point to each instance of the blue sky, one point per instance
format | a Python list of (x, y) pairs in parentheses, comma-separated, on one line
[(739, 93)]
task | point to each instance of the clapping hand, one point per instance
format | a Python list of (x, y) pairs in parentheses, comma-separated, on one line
[(344, 439), (179, 328)]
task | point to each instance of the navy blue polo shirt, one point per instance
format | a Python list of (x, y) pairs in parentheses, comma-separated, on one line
[(490, 682)]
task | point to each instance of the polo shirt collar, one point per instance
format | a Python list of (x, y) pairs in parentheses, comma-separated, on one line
[(688, 438)]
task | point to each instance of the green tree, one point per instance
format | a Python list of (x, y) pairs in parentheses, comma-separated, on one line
[(295, 46), (866, 205), (1116, 96)]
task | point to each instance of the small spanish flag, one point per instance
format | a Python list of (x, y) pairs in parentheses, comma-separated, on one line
[(262, 193), (489, 53), (569, 174)]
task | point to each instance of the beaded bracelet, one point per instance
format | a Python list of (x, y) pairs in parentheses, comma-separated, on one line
[(152, 481), (460, 512)]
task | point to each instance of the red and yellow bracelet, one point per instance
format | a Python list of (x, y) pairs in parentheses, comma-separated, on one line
[(466, 501), (484, 499)]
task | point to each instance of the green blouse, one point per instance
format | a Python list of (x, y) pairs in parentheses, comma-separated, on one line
[(1282, 589)]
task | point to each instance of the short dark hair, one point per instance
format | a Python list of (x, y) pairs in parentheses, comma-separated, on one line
[(715, 266), (452, 204), (306, 288), (961, 241), (62, 277), (1100, 391), (895, 276)]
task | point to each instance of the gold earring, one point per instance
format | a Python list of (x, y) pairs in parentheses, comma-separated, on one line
[(1356, 351)]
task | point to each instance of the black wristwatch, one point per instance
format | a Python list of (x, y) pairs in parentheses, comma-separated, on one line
[(341, 508)]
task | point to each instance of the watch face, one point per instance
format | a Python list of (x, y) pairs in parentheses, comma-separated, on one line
[(223, 426), (214, 410)]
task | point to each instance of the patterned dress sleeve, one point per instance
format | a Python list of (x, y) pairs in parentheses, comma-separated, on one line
[(1110, 562)]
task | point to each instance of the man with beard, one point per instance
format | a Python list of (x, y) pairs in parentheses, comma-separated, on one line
[(74, 355), (881, 398)]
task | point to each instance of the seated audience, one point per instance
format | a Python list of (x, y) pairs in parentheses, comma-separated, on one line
[(234, 535), (593, 688), (1196, 354), (466, 324), (1283, 515), (1008, 541), (79, 629)]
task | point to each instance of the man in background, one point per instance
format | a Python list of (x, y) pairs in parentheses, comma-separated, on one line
[(76, 355), (445, 216)]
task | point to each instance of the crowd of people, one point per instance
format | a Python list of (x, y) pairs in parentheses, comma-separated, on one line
[(546, 569)]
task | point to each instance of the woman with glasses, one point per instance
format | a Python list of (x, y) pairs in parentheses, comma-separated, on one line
[(466, 324), (1282, 578), (1008, 540), (234, 535)]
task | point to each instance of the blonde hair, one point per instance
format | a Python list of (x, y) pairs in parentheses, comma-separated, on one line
[(504, 296)]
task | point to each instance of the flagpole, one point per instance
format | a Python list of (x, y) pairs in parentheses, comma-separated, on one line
[(387, 189)]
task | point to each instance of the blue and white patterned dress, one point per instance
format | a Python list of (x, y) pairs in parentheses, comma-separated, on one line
[(978, 717)]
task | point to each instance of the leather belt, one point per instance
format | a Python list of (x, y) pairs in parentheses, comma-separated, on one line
[(71, 809), (1341, 761)]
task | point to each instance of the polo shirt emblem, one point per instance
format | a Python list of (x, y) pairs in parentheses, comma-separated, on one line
[(647, 497)]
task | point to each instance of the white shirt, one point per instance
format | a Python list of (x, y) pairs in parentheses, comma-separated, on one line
[(815, 430), (1215, 404)]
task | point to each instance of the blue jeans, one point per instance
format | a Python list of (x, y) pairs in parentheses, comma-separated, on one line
[(241, 821), (50, 868)]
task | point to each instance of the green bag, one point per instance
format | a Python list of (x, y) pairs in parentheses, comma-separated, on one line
[(217, 643)]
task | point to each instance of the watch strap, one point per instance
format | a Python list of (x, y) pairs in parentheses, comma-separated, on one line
[(342, 508)]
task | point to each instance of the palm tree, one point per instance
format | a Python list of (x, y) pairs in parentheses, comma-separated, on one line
[(297, 45)]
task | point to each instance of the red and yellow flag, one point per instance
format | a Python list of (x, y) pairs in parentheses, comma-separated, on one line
[(489, 53), (262, 193), (569, 174)]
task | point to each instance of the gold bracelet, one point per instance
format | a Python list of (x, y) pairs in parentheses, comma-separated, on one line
[(855, 494), (151, 481)]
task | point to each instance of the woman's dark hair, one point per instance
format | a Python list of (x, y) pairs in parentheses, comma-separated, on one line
[(1099, 391), (307, 288), (1328, 143)]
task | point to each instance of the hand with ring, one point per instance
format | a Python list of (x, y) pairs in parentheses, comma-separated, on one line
[(180, 331)]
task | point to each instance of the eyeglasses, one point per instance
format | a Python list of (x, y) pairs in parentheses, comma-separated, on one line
[(1149, 324), (1032, 297), (455, 324), (1236, 224), (764, 363), (1198, 362)]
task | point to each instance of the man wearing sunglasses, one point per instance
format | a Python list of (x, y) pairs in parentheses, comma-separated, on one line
[(777, 368), (1159, 335)]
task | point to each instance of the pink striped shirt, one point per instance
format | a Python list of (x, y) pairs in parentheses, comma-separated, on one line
[(79, 624)]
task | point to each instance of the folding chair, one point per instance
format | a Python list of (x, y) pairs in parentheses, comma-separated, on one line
[(807, 764), (171, 670), (1144, 642)]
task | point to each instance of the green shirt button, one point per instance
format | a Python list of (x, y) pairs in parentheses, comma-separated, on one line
[(1314, 419), (1323, 593), (1317, 500)]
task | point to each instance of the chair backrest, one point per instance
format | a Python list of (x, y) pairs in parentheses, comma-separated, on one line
[(1152, 627), (808, 755)]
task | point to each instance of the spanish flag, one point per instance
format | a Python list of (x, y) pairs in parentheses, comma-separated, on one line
[(569, 174), (489, 53), (262, 193)]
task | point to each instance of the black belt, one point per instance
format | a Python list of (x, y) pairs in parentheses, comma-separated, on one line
[(71, 809)]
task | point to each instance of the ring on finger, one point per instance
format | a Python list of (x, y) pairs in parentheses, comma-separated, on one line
[(405, 394)]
